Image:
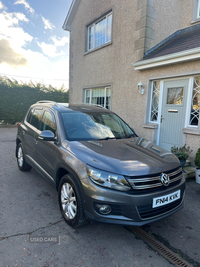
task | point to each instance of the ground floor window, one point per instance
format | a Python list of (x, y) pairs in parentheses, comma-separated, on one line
[(156, 99), (99, 96), (194, 117)]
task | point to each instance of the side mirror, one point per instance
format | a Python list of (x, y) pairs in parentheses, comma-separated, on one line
[(47, 136)]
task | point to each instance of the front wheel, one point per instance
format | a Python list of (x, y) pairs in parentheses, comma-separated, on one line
[(70, 201), (21, 162)]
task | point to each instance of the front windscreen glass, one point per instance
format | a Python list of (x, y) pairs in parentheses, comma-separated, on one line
[(95, 126)]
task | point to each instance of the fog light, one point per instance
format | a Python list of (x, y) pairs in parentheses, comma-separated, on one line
[(104, 209)]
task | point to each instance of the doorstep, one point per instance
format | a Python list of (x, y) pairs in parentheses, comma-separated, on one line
[(189, 172)]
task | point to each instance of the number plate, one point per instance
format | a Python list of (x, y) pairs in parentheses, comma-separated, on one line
[(164, 200)]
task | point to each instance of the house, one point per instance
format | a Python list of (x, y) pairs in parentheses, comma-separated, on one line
[(141, 59)]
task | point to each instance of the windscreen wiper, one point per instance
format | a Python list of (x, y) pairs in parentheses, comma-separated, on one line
[(107, 138)]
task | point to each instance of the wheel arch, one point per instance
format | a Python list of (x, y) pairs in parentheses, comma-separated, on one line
[(61, 171)]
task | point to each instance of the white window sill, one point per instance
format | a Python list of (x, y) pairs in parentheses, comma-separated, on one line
[(150, 125), (191, 130), (97, 48), (195, 21)]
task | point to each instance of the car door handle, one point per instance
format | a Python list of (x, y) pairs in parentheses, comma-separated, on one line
[(23, 132)]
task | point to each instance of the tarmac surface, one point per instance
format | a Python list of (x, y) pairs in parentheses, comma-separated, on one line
[(33, 233)]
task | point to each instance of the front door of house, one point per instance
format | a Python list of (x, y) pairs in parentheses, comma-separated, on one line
[(173, 113)]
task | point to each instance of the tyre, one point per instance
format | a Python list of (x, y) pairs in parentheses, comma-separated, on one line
[(70, 202), (21, 162)]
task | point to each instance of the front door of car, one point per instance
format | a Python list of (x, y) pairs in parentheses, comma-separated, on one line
[(173, 113), (45, 152)]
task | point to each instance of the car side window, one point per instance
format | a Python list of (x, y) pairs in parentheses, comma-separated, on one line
[(36, 117), (28, 117), (48, 122)]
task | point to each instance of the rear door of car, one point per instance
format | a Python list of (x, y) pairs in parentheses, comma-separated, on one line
[(46, 152), (31, 126)]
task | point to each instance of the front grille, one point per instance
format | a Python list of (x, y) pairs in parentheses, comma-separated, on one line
[(153, 181), (147, 212)]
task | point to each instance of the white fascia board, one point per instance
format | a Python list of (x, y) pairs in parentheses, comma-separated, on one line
[(70, 15), (187, 55)]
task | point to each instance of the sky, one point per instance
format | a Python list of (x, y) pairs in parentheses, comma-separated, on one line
[(33, 45)]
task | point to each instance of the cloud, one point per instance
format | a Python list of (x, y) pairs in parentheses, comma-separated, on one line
[(16, 60), (47, 24), (9, 56), (49, 50), (13, 39), (2, 6), (41, 69), (11, 30), (60, 41), (26, 4), (11, 19)]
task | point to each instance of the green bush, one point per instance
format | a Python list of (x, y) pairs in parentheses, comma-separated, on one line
[(16, 98), (181, 152), (197, 158)]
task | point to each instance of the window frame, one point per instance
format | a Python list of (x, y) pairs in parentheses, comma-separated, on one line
[(160, 101), (29, 117), (93, 24), (198, 9), (105, 95), (53, 117)]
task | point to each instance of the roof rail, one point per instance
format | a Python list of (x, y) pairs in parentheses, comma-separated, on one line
[(55, 103), (88, 104), (48, 101)]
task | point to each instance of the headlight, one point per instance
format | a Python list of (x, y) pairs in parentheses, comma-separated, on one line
[(106, 179)]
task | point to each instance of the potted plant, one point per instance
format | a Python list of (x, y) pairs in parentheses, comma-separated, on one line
[(182, 153), (197, 163)]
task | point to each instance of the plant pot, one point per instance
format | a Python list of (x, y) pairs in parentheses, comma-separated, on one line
[(182, 161), (197, 173)]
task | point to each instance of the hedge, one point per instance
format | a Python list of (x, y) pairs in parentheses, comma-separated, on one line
[(16, 98)]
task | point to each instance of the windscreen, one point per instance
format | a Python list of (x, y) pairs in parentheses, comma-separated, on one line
[(95, 126)]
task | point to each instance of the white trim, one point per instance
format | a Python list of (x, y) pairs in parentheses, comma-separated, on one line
[(160, 110), (187, 55), (150, 108), (70, 15), (198, 10), (189, 103), (94, 25), (94, 88)]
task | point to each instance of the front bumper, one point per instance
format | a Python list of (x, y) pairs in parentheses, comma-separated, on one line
[(129, 208)]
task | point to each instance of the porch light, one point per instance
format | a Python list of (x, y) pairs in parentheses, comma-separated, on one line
[(141, 88)]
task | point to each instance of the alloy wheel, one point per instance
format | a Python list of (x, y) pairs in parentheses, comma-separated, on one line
[(68, 201), (20, 157)]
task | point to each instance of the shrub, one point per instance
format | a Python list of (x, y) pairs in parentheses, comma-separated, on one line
[(16, 98), (197, 158), (181, 152)]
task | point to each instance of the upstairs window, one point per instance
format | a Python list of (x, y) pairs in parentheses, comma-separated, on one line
[(99, 33), (198, 9)]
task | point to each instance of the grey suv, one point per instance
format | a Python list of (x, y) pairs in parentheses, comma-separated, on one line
[(102, 170)]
